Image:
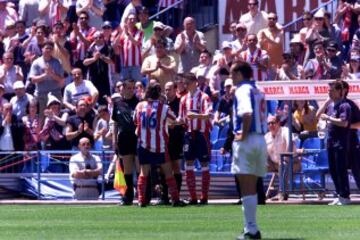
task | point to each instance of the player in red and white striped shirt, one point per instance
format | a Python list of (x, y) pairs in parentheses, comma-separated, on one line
[(256, 57), (131, 43), (195, 111), (152, 118)]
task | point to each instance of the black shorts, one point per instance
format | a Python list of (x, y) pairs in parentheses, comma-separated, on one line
[(127, 143), (147, 157), (175, 146), (197, 146)]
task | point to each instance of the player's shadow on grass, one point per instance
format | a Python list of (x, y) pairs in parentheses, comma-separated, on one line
[(283, 238)]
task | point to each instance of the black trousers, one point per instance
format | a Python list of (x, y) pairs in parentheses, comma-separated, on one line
[(354, 162), (338, 170)]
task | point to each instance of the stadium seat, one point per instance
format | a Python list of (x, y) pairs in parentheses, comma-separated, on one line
[(312, 143), (214, 134)]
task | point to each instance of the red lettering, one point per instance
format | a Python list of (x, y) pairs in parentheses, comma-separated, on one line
[(233, 11), (268, 6), (299, 90), (354, 89), (321, 89), (273, 90)]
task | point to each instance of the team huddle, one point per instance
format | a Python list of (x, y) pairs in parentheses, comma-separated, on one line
[(161, 129)]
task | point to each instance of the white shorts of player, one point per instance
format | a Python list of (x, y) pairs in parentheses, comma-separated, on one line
[(250, 156)]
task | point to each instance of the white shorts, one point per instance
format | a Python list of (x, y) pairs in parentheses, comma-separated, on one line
[(249, 156)]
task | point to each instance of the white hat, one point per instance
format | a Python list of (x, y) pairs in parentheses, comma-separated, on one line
[(115, 95), (320, 13), (18, 85), (159, 25), (2, 86), (52, 99), (228, 82), (226, 44), (296, 39)]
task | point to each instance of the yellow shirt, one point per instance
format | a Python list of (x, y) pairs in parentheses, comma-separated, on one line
[(311, 127)]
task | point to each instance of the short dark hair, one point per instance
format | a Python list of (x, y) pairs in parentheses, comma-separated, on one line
[(319, 43), (103, 108), (207, 52), (346, 87), (244, 68), (84, 12), (153, 91), (161, 41), (128, 81), (337, 84), (20, 22), (49, 43)]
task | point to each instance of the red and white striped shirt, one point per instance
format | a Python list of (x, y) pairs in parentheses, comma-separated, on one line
[(252, 58), (131, 53), (198, 103), (151, 121)]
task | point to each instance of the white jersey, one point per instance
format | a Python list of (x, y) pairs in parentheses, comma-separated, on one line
[(73, 93)]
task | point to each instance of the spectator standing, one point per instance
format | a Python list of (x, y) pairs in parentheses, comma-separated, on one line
[(62, 46), (7, 13), (254, 19), (239, 43), (80, 125), (317, 68), (79, 89), (131, 9), (337, 113), (20, 100), (98, 58), (258, 58), (297, 49), (28, 11), (32, 125), (9, 74), (271, 40), (85, 168), (52, 10), (131, 44), (95, 9), (160, 66), (189, 44), (47, 74), (304, 119)]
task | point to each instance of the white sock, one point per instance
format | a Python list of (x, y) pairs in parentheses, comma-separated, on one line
[(249, 204)]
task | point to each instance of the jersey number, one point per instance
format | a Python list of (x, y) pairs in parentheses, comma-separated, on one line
[(148, 121)]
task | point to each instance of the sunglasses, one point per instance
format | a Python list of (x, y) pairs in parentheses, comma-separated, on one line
[(307, 19), (271, 123), (253, 4), (319, 19), (85, 144), (331, 50), (272, 19), (83, 18)]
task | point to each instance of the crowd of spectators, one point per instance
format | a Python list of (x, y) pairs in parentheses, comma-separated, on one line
[(64, 61)]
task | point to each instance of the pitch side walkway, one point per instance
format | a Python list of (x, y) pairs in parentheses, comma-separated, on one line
[(293, 200)]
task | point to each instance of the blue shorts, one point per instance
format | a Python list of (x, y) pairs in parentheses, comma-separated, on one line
[(197, 146), (147, 157)]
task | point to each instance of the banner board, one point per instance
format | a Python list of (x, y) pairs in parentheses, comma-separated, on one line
[(303, 89)]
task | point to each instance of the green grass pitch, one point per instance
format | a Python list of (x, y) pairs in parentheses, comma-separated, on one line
[(166, 223)]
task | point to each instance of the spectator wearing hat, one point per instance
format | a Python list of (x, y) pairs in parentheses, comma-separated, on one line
[(160, 66), (47, 74), (318, 32), (7, 13), (53, 131), (289, 69), (28, 11), (107, 32), (189, 44), (98, 60), (159, 32), (148, 26), (258, 58), (62, 46), (20, 100), (79, 88), (94, 8), (9, 74), (239, 43), (334, 63), (222, 114), (297, 49)]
